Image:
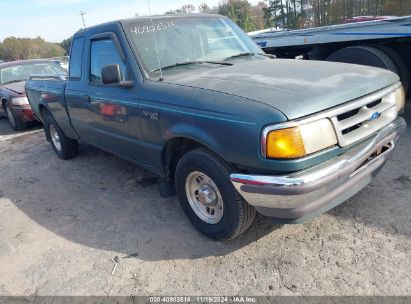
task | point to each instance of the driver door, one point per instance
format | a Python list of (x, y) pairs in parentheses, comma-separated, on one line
[(107, 116)]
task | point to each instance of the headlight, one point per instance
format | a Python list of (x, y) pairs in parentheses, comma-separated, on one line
[(299, 140), (20, 101), (397, 98)]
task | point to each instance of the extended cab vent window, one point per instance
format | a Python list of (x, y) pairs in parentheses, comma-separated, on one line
[(104, 52), (76, 58)]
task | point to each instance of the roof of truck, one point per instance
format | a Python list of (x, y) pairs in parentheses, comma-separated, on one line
[(155, 17), (199, 15)]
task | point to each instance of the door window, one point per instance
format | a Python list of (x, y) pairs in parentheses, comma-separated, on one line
[(104, 52), (76, 58)]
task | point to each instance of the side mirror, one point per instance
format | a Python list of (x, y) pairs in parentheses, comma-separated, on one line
[(111, 74)]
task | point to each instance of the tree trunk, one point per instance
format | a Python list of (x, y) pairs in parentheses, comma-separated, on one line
[(295, 12), (290, 15), (283, 13)]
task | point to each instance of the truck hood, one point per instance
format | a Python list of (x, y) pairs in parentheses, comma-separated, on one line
[(295, 87), (16, 87)]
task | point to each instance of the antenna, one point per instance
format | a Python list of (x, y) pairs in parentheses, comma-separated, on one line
[(82, 17), (155, 40)]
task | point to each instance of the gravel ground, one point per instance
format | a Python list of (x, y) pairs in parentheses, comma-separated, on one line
[(62, 223)]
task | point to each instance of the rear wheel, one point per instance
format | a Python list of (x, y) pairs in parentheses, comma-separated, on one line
[(15, 122), (364, 55), (208, 197), (400, 65), (64, 146)]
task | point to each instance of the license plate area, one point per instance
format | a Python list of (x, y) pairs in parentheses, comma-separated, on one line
[(378, 151)]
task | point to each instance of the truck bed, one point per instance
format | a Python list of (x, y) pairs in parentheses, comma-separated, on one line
[(48, 95)]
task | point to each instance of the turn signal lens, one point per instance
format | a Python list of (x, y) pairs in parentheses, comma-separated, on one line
[(285, 143), (300, 140)]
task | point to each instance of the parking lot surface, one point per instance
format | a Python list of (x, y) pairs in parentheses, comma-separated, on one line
[(62, 223)]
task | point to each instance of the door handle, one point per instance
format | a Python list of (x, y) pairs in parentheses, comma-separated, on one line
[(86, 98)]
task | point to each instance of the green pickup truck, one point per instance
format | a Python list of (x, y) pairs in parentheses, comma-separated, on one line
[(228, 128)]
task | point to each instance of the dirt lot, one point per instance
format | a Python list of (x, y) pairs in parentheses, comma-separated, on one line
[(61, 223)]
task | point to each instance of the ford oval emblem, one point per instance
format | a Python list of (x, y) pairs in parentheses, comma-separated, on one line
[(375, 115)]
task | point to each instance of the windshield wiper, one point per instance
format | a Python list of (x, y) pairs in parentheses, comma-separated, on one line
[(192, 62), (249, 54)]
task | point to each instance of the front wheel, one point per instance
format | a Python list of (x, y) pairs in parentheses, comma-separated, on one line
[(64, 146), (208, 197)]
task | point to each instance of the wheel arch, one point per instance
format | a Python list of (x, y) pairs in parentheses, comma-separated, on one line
[(178, 146), (44, 110)]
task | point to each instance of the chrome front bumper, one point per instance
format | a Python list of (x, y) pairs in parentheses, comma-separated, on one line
[(302, 195)]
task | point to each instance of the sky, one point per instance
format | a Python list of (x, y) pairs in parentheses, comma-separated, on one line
[(56, 20)]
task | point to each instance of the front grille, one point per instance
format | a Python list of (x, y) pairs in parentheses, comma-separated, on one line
[(363, 117), (355, 111), (347, 114)]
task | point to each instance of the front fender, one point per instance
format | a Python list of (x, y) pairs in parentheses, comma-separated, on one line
[(194, 133)]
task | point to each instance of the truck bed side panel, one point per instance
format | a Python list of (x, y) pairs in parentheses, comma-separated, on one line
[(50, 94)]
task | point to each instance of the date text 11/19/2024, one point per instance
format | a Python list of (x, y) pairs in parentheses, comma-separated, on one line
[(203, 299)]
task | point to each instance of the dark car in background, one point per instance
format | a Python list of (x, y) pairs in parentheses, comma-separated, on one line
[(13, 76)]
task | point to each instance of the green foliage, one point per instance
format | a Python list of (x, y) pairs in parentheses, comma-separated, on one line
[(292, 14), (247, 16), (14, 48), (66, 44), (204, 8), (240, 12), (176, 11)]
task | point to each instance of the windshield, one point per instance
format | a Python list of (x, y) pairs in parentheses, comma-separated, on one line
[(22, 72), (188, 39)]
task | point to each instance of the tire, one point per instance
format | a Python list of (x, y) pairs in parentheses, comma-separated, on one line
[(364, 55), (16, 123), (400, 64), (235, 215), (64, 146)]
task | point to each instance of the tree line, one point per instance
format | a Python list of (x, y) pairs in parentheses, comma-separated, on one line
[(281, 14), (295, 14), (13, 48)]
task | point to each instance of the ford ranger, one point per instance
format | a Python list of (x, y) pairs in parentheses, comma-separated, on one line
[(228, 128)]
